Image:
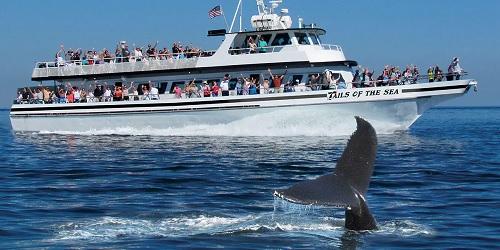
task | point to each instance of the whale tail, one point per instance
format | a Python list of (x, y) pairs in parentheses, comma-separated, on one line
[(346, 187)]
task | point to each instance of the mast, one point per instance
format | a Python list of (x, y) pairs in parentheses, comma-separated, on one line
[(234, 17)]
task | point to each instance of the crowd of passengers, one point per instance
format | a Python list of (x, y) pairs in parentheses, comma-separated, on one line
[(274, 83), (122, 53)]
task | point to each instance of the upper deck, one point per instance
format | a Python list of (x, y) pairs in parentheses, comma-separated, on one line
[(278, 46)]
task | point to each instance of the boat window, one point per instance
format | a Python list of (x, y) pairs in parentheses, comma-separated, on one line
[(139, 88), (266, 37), (198, 83), (163, 88), (245, 43), (314, 78), (281, 40), (302, 38), (297, 79), (232, 83), (314, 38), (256, 77)]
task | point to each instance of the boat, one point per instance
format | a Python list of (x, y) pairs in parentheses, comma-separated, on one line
[(317, 82)]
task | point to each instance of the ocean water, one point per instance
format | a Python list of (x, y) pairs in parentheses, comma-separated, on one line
[(435, 186)]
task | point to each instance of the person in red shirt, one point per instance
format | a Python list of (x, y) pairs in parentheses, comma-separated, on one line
[(71, 96), (118, 95), (215, 89), (206, 89), (277, 81)]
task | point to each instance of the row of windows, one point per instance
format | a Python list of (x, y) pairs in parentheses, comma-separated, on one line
[(282, 39)]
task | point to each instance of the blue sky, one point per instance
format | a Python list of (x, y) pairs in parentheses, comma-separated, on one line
[(374, 33)]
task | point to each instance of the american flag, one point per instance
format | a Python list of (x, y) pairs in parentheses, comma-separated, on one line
[(215, 12)]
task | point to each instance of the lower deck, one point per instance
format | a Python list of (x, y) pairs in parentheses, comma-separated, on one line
[(401, 104)]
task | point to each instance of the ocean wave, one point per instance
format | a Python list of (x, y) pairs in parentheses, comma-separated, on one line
[(111, 228)]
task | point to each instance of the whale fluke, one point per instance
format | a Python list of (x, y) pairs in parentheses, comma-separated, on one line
[(346, 187)]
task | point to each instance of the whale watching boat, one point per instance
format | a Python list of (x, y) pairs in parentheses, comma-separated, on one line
[(272, 70)]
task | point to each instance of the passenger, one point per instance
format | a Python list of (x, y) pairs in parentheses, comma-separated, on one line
[(151, 51), (70, 95), (300, 86), (314, 81), (107, 56), (239, 86), (163, 54), (153, 91), (46, 95), (188, 89), (83, 95), (367, 78), (252, 46), (118, 94), (456, 70), (246, 86), (77, 94), (62, 95), (26, 95), (98, 92), (386, 77), (206, 89), (125, 91), (95, 56), (252, 89), (90, 57), (407, 75), (178, 92), (341, 84), (145, 93), (224, 85), (430, 74), (138, 54), (415, 74), (357, 79), (59, 57), (37, 96), (19, 99), (277, 81), (451, 74), (265, 86), (262, 45), (215, 89), (107, 94), (438, 73)]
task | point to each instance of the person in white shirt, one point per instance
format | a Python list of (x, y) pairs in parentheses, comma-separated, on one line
[(20, 98), (107, 95), (138, 54), (153, 91), (77, 94), (224, 85)]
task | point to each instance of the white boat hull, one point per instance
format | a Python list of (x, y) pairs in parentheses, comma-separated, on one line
[(298, 113)]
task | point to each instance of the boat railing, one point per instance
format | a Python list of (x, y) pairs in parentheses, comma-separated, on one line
[(274, 49), (285, 88), (267, 49), (119, 64)]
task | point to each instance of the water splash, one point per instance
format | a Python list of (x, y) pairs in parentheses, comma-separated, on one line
[(109, 228), (404, 228), (290, 123)]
